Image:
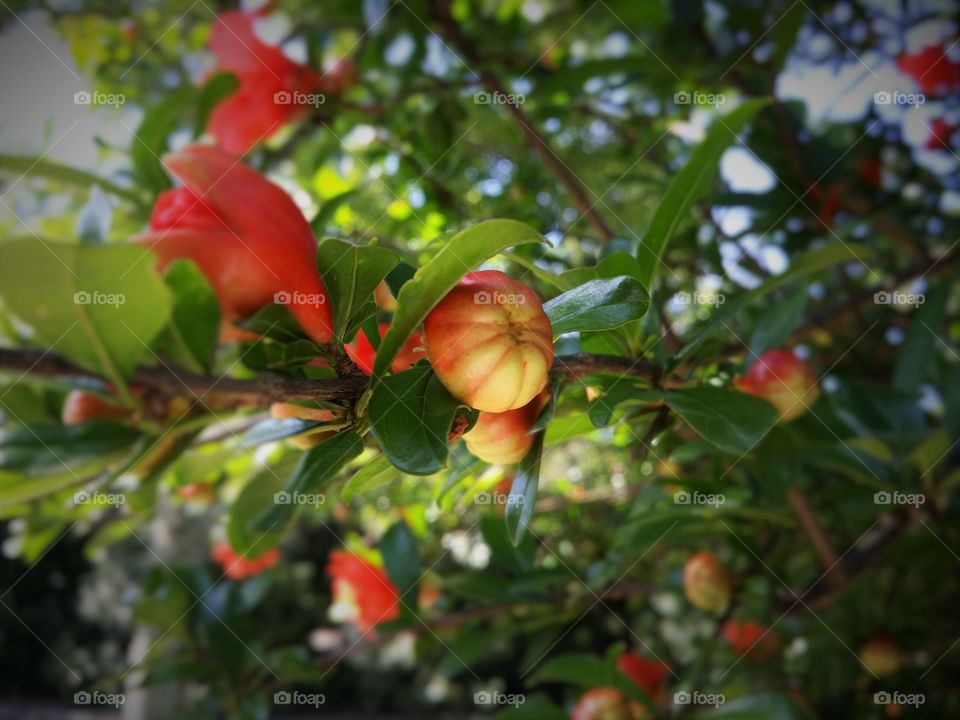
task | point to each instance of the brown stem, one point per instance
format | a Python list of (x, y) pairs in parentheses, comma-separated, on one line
[(811, 525), (260, 392)]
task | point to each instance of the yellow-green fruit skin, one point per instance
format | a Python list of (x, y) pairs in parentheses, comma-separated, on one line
[(504, 438), (706, 583), (490, 342)]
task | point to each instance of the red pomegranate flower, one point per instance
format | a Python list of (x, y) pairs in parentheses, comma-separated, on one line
[(238, 567), (933, 71), (266, 75), (362, 593), (649, 675), (245, 234), (362, 353), (750, 638)]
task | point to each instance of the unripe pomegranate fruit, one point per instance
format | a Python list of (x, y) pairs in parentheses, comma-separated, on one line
[(197, 493), (363, 354), (82, 406), (706, 583), (504, 438), (784, 380), (881, 656), (490, 342), (245, 234), (602, 703), (384, 298)]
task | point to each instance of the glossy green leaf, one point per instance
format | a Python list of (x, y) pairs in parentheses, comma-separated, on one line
[(410, 415), (379, 471), (732, 420), (523, 492), (463, 252), (597, 305), (400, 558), (804, 265), (190, 337), (777, 323), (602, 409), (350, 274), (688, 185), (315, 469)]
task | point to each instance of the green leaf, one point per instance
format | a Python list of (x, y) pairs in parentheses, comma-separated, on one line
[(400, 559), (16, 489), (690, 184), (274, 321), (732, 420), (921, 343), (98, 305), (190, 338), (461, 254), (150, 140), (597, 305), (535, 707), (574, 669), (351, 274), (315, 469), (410, 415), (803, 265), (373, 474), (523, 492), (259, 492), (763, 706), (61, 448), (217, 88), (601, 410), (775, 325), (29, 166), (271, 430), (516, 558)]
